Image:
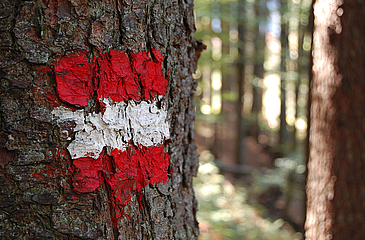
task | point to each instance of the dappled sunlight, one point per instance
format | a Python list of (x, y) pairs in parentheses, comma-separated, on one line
[(271, 100), (224, 212), (251, 117)]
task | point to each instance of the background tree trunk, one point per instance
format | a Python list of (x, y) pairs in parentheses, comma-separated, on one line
[(37, 196), (336, 185)]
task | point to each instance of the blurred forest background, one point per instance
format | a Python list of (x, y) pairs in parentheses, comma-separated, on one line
[(252, 117)]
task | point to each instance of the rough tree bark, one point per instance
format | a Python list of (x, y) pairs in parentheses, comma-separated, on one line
[(336, 183), (65, 55)]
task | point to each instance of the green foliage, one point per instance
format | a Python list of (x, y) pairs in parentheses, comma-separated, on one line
[(290, 168), (224, 212)]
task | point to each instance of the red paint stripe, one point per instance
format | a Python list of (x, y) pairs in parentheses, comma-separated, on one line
[(123, 171), (112, 75), (116, 79), (74, 76)]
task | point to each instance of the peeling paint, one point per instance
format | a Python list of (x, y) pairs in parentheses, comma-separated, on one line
[(143, 123), (148, 123), (123, 171), (123, 144), (63, 114), (116, 78), (74, 76), (113, 75)]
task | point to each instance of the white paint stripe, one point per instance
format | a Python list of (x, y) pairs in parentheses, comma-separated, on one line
[(148, 123), (63, 114), (143, 123)]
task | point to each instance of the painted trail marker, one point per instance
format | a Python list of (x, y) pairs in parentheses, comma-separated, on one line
[(123, 143)]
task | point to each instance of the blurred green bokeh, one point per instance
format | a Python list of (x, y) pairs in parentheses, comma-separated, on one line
[(224, 212)]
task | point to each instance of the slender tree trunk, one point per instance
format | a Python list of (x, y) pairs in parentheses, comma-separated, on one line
[(336, 185), (283, 132), (241, 80), (96, 131), (258, 60)]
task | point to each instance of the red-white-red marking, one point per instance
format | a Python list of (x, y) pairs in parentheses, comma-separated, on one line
[(123, 144)]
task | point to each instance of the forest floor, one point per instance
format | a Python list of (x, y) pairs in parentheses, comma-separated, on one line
[(219, 139)]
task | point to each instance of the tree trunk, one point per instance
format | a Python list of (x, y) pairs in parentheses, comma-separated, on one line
[(283, 131), (336, 184), (241, 159), (96, 131)]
